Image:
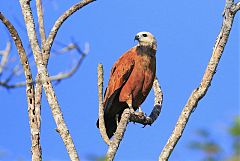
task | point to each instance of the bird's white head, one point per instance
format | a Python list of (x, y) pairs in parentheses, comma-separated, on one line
[(146, 39)]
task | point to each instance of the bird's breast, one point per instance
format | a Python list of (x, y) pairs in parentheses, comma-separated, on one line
[(140, 81)]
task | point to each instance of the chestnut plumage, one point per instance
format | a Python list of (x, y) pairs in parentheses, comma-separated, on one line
[(130, 81)]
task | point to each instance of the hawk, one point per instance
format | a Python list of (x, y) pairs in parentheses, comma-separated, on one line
[(130, 81)]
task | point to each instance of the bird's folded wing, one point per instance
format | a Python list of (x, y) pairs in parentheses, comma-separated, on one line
[(120, 73)]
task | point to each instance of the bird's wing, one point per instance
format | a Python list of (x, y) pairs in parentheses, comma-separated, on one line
[(120, 73)]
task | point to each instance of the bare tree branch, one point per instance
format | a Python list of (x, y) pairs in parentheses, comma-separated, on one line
[(40, 21), (58, 77), (37, 156), (38, 87), (200, 92), (36, 148), (236, 7), (4, 54), (32, 35), (118, 135), (36, 49), (61, 76), (10, 86), (102, 127), (44, 76), (46, 54), (59, 23)]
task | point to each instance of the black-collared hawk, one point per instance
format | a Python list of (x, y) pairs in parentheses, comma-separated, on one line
[(130, 81)]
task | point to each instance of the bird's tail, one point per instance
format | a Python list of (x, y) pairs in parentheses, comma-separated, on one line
[(110, 124)]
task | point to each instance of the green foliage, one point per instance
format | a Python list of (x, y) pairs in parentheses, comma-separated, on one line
[(235, 129), (206, 145), (211, 149), (93, 157)]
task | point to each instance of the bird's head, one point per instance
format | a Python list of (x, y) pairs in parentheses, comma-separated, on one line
[(146, 39)]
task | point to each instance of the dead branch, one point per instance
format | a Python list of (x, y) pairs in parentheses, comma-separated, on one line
[(58, 77), (38, 87), (29, 88), (69, 47), (44, 76), (102, 127), (61, 76), (40, 21), (236, 7), (38, 96), (58, 24), (5, 54), (200, 92), (118, 135)]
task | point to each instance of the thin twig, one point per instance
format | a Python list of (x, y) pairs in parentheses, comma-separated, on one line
[(200, 92), (59, 23), (5, 54), (58, 77), (102, 127)]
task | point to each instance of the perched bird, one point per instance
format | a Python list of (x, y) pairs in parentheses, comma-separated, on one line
[(130, 81)]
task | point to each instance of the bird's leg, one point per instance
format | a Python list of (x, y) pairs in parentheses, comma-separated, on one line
[(116, 118), (140, 109), (140, 112), (131, 108), (129, 102)]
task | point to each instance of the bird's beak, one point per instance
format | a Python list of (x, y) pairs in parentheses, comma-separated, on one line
[(136, 38)]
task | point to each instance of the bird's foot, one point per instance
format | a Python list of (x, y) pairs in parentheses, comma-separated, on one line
[(141, 114), (131, 110)]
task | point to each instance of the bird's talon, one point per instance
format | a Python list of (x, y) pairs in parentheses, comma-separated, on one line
[(131, 110)]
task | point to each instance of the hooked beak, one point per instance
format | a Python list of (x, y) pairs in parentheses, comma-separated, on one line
[(136, 38)]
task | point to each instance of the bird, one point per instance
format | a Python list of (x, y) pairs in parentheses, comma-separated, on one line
[(130, 81)]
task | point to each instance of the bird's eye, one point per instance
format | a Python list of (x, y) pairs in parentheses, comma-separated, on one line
[(144, 35)]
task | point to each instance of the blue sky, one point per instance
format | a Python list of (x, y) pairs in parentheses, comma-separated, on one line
[(186, 32)]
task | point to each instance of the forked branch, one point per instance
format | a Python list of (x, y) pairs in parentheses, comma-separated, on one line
[(47, 85)]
